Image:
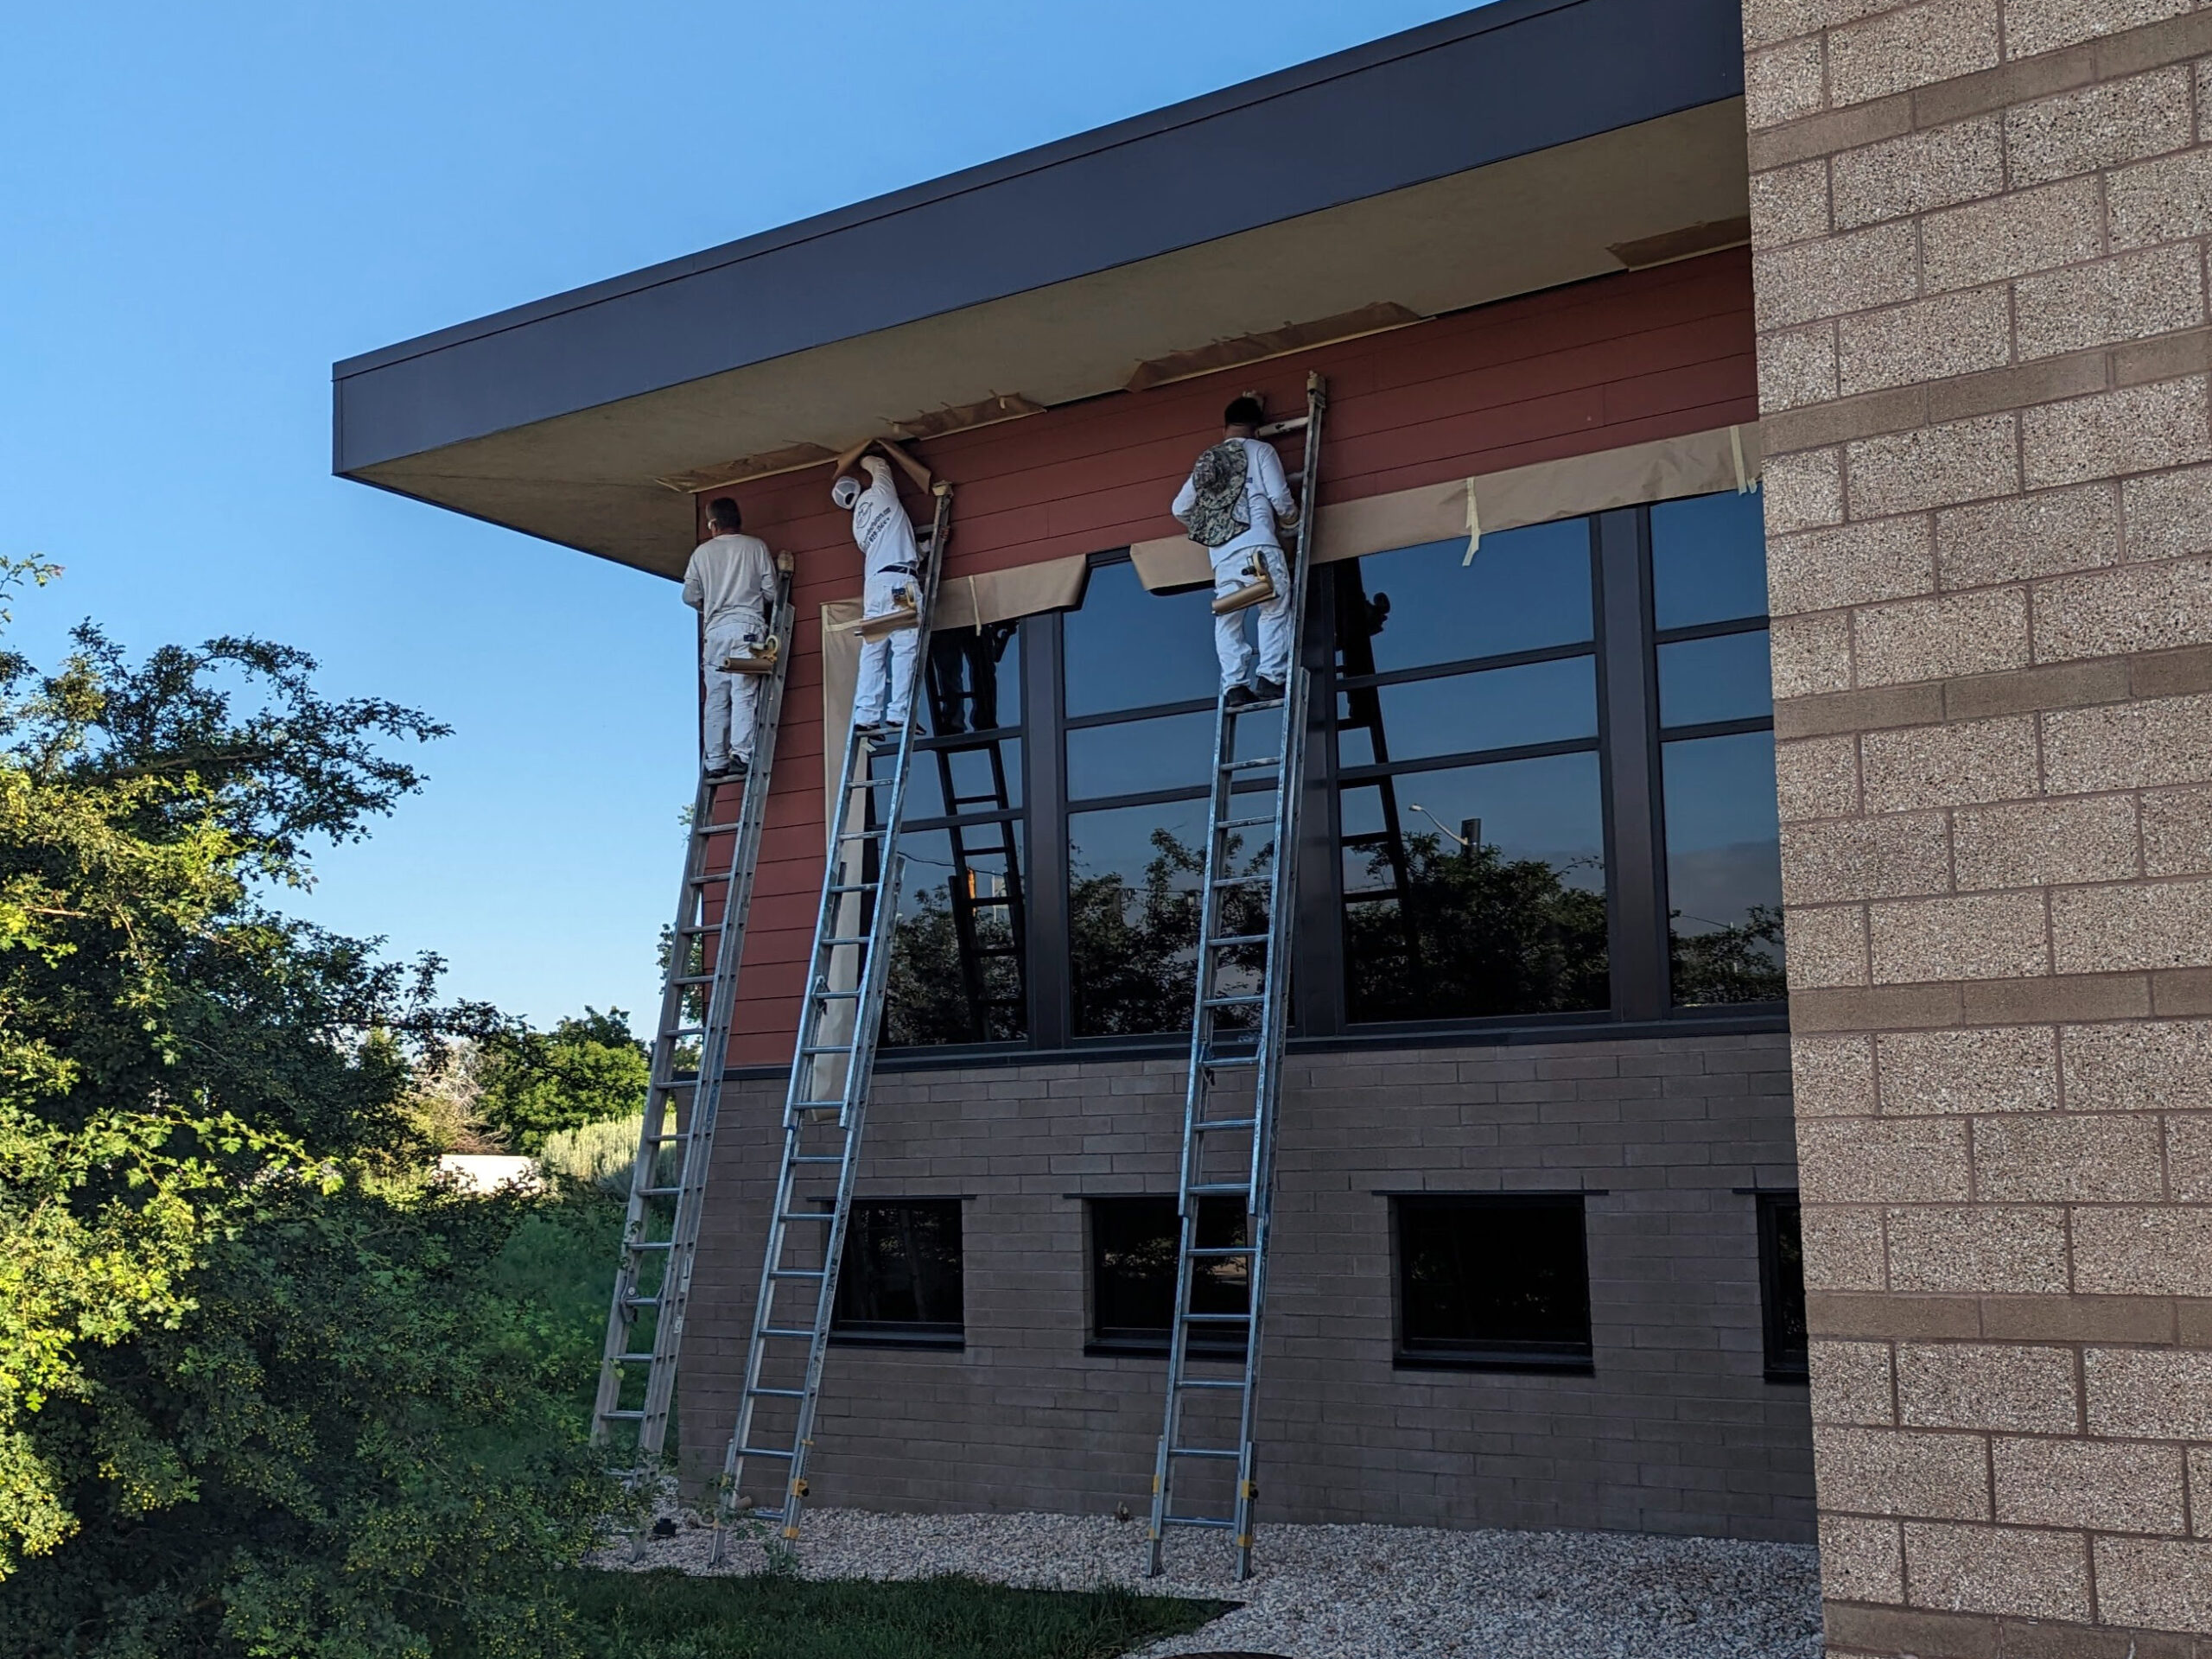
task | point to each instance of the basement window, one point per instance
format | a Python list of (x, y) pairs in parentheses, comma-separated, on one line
[(1782, 1286), (1133, 1248), (899, 1284), (1492, 1282)]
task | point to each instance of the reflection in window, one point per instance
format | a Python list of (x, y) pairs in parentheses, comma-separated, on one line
[(1782, 1286), (1133, 916), (1723, 869), (901, 1277), (1135, 757), (1473, 890), (1495, 1279), (1133, 1246), (957, 947), (1129, 649), (1476, 891), (1716, 717), (974, 679)]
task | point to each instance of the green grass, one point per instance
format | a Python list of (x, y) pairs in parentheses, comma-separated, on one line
[(669, 1615)]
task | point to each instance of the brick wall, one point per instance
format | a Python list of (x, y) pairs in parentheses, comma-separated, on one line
[(1677, 1430), (1980, 266)]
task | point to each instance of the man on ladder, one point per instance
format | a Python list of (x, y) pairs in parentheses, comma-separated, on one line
[(1236, 503), (731, 582), (883, 695)]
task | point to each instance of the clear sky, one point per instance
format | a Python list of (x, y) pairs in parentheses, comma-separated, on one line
[(202, 207)]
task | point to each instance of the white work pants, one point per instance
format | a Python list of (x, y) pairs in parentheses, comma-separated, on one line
[(731, 698), (887, 665), (1229, 641)]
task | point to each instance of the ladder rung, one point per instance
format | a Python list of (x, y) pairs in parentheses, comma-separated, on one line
[(1209, 1382), (1243, 880), (808, 1215), (817, 1157), (716, 830), (654, 1245), (633, 1359), (827, 1048), (1223, 1062), (778, 1394), (822, 1105), (641, 1301), (1229, 1452), (1236, 938), (764, 1451), (1242, 823), (797, 1273), (658, 1192), (1242, 1000), (790, 1331), (1216, 1319), (876, 783), (861, 835), (693, 979), (1227, 1123), (1207, 1189), (623, 1416), (854, 939), (1196, 1521), (838, 997), (1252, 766), (1224, 1249)]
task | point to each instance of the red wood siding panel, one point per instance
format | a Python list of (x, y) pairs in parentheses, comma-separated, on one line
[(1615, 361)]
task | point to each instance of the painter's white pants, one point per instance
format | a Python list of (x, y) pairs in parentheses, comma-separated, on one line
[(1229, 641), (887, 665), (731, 698)]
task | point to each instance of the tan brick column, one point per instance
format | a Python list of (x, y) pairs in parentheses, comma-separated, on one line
[(1981, 241)]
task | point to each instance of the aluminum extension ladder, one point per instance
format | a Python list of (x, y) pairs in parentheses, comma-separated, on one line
[(698, 992), (1239, 1015), (825, 1110)]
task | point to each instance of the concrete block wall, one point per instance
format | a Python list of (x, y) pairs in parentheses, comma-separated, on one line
[(1980, 256), (1676, 1431)]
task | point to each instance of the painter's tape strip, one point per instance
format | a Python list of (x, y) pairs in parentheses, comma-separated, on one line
[(1475, 526), (1736, 450)]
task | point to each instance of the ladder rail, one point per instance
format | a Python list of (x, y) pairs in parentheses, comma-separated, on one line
[(836, 920), (668, 1116), (1265, 1060)]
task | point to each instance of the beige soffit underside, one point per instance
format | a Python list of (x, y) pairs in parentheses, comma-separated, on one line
[(588, 479), (1725, 458)]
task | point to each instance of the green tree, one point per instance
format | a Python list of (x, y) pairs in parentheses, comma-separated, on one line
[(586, 1070), (259, 1390)]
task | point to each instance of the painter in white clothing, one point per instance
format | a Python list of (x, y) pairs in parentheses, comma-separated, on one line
[(731, 582), (883, 694), (1236, 504)]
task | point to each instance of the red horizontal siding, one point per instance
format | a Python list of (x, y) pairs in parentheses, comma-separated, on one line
[(1619, 360)]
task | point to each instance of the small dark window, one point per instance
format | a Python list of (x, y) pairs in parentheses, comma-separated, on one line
[(1493, 1281), (1782, 1286), (900, 1279), (1133, 1243)]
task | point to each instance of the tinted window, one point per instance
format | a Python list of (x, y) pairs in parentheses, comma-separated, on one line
[(1476, 891), (1129, 649), (1523, 590), (1133, 757), (1133, 881), (1723, 869), (1782, 1286), (1133, 1244), (1464, 714), (960, 775), (974, 682), (900, 1278), (957, 965), (1722, 678), (1495, 1279), (1708, 560)]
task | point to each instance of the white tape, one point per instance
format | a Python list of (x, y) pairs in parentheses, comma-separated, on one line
[(1475, 525), (1736, 450)]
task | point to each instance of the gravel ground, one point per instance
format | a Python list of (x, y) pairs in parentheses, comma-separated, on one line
[(1353, 1592)]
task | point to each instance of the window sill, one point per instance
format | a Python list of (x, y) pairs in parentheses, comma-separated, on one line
[(1548, 1364)]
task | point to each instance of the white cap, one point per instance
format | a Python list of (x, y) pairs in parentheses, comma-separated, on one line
[(845, 491)]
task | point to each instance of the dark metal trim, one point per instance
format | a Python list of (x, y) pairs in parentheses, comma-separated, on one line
[(1629, 695), (1470, 665)]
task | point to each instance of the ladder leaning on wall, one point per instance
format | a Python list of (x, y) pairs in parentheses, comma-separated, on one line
[(668, 1178), (1240, 1015), (825, 1107)]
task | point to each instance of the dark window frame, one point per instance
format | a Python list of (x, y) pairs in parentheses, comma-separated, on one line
[(941, 1335), (1783, 1340), (1629, 750), (1429, 1354)]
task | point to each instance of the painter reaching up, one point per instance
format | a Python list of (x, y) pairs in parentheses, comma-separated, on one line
[(1236, 504), (883, 696)]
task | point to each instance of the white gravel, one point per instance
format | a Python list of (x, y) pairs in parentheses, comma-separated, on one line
[(1335, 1593)]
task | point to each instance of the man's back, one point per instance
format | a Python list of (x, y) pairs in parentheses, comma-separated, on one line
[(1266, 495), (731, 576)]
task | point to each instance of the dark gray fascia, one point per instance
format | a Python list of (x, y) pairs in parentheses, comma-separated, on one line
[(1508, 79)]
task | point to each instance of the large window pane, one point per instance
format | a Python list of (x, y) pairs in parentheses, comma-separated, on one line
[(1129, 649), (1723, 869), (974, 680), (1523, 590), (1724, 677), (1498, 1279), (1133, 916), (1476, 891), (956, 964), (1461, 713), (959, 775), (1708, 560), (1133, 757)]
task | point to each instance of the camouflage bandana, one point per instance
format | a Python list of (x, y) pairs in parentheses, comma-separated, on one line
[(1219, 514)]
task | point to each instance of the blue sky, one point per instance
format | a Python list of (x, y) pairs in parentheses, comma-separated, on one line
[(202, 207)]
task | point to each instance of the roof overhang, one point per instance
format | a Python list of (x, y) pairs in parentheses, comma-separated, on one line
[(1526, 144)]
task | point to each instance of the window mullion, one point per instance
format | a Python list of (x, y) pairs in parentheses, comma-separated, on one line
[(1045, 755), (1628, 696)]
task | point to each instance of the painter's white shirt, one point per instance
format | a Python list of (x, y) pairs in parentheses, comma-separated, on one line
[(880, 526), (1267, 498), (729, 579)]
